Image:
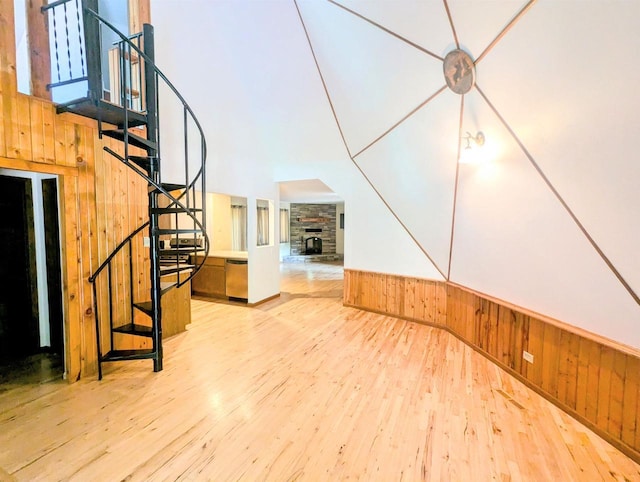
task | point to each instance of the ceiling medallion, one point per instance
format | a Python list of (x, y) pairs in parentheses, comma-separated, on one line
[(459, 71)]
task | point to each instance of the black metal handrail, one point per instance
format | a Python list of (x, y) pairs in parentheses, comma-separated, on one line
[(114, 253), (106, 264), (148, 80), (128, 98), (161, 75), (71, 78), (95, 83), (199, 176)]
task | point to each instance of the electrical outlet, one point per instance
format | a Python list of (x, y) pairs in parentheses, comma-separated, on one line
[(527, 356), (146, 242)]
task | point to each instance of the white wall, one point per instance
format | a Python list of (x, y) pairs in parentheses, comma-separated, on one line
[(256, 133), (560, 79), (264, 261), (220, 207), (373, 238)]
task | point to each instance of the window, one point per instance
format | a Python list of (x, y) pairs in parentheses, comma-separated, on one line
[(284, 225), (263, 222), (238, 227), (23, 67)]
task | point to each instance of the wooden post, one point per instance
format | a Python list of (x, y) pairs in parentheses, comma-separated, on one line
[(93, 49), (139, 14), (8, 80), (39, 54)]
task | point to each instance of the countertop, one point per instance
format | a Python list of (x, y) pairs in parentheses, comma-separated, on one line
[(229, 254)]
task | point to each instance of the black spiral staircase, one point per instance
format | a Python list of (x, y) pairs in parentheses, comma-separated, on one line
[(128, 112)]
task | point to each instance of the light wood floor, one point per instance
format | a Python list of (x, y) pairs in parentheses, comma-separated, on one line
[(300, 388)]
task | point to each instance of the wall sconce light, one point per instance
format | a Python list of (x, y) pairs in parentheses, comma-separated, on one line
[(478, 139)]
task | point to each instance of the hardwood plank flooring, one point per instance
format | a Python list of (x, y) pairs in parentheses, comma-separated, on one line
[(300, 388)]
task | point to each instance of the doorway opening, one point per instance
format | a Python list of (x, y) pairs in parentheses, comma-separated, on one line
[(314, 217), (31, 309)]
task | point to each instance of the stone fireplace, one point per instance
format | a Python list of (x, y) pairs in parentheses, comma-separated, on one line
[(312, 229)]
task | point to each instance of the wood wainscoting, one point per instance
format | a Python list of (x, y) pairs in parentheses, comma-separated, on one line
[(413, 299), (595, 380)]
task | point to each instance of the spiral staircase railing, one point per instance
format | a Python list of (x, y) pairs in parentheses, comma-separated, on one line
[(176, 210)]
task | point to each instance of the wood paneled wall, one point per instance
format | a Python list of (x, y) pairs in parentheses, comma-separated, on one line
[(410, 298), (595, 380), (101, 200)]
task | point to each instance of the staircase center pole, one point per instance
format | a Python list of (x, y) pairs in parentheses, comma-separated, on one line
[(154, 173)]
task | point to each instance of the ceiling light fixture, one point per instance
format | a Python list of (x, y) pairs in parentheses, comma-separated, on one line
[(478, 139)]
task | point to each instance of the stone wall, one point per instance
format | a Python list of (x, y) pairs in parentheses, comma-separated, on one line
[(312, 216)]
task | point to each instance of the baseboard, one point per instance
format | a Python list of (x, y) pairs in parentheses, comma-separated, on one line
[(277, 295)]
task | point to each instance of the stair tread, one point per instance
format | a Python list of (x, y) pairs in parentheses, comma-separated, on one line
[(179, 266), (134, 139), (179, 231), (174, 210), (175, 268), (170, 186), (142, 161), (135, 329), (179, 251), (145, 306), (115, 355), (141, 158), (106, 111)]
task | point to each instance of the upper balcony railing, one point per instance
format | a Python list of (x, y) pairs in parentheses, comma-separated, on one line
[(115, 75)]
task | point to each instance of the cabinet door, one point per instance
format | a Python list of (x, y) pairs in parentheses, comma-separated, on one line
[(209, 281), (176, 309)]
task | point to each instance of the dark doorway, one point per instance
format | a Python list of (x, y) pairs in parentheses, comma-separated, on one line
[(29, 352), (19, 330)]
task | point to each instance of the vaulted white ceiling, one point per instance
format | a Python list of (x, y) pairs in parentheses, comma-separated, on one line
[(351, 92)]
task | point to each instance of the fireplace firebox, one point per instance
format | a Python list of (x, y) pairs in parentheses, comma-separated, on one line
[(313, 245)]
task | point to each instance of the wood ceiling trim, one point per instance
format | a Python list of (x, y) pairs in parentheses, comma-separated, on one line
[(324, 84), (385, 29), (561, 200), (455, 188), (504, 31), (355, 163), (413, 111), (453, 27)]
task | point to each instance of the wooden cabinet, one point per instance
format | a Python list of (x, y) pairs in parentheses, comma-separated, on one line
[(176, 308), (176, 315), (210, 280)]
